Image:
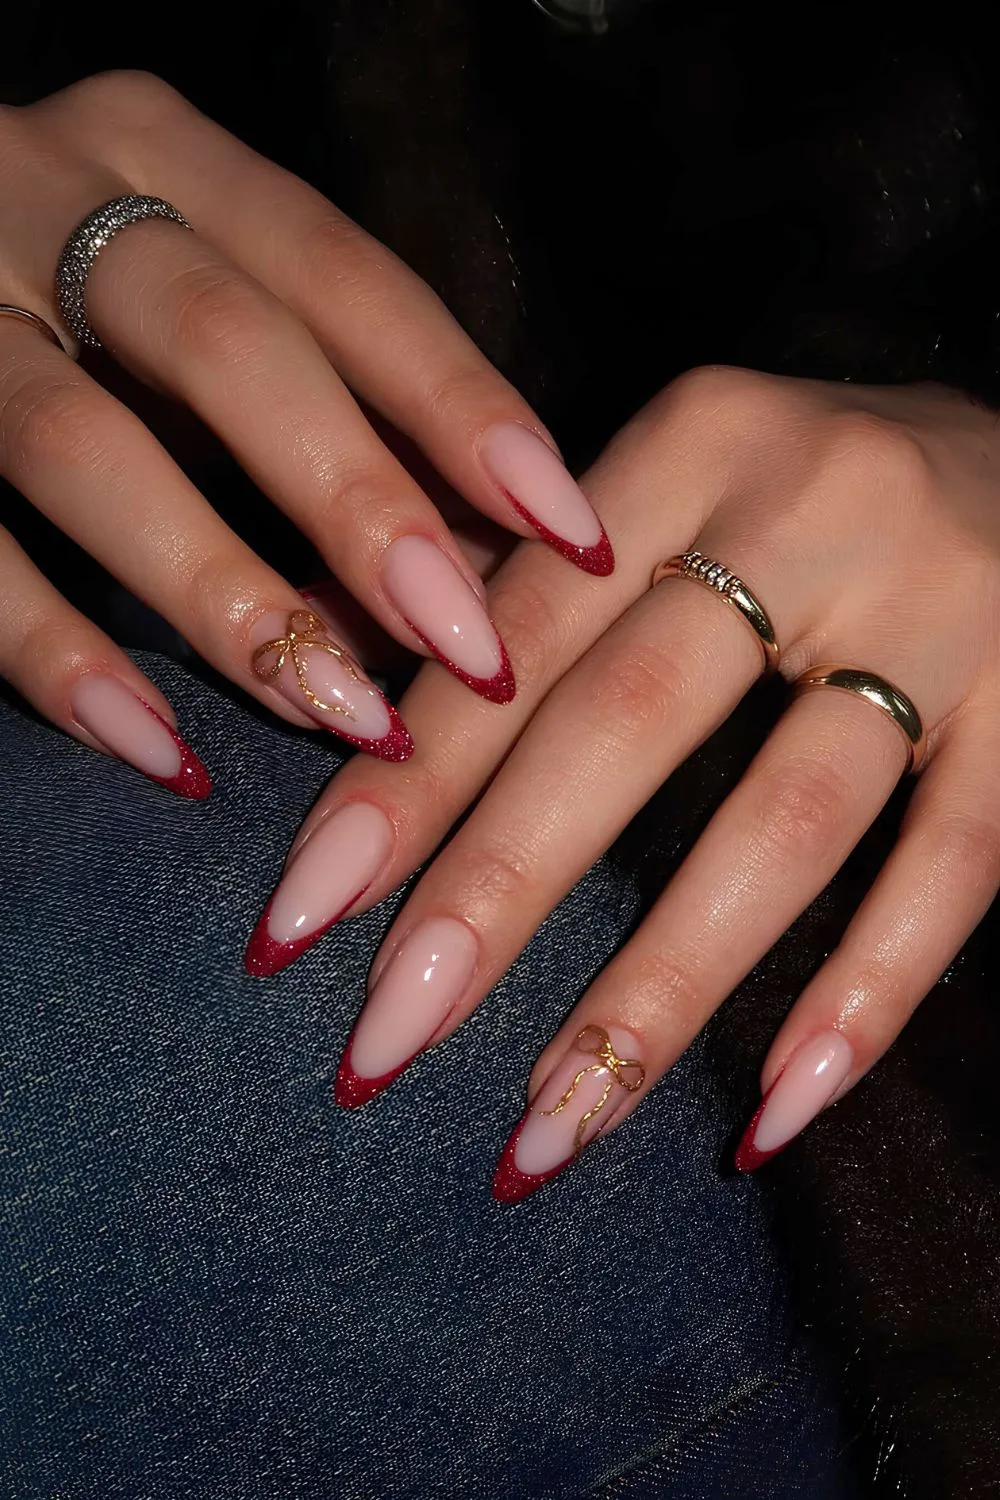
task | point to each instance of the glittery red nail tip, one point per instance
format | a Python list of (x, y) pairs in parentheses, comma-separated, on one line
[(500, 688), (598, 559), (397, 745), (265, 956), (748, 1158), (192, 780), (350, 1090), (510, 1184)]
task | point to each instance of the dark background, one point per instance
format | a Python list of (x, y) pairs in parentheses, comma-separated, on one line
[(813, 193)]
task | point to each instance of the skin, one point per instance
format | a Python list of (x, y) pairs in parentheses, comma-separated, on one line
[(272, 323), (868, 522)]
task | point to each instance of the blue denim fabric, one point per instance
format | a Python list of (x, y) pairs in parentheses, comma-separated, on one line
[(217, 1287)]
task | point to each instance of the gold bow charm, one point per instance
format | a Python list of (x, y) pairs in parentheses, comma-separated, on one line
[(305, 631), (628, 1072)]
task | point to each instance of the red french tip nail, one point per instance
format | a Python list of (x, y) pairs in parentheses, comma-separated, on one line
[(510, 1184), (598, 559), (748, 1158), (265, 956), (192, 780), (350, 1090), (500, 688), (397, 745)]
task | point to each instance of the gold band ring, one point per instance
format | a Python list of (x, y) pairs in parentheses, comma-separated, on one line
[(8, 310), (735, 592), (894, 704)]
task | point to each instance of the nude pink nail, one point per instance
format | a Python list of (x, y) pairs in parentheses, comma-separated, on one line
[(126, 725), (580, 1099), (417, 990), (298, 654), (806, 1083), (442, 609), (326, 876), (542, 491)]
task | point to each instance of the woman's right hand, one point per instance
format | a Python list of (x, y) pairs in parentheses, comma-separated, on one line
[(267, 322)]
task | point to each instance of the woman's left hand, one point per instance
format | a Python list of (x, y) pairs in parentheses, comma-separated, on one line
[(867, 522)]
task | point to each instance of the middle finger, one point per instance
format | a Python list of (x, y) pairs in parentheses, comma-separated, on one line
[(175, 311)]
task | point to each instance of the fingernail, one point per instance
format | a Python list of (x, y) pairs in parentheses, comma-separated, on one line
[(440, 607), (579, 1100), (806, 1083), (329, 873), (127, 726), (418, 988), (540, 488), (299, 655)]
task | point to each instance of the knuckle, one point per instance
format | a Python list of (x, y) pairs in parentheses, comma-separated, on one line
[(874, 446), (217, 315), (48, 419), (966, 841), (324, 244), (142, 97), (666, 982), (641, 692), (498, 876), (219, 599), (465, 388), (803, 805), (709, 391)]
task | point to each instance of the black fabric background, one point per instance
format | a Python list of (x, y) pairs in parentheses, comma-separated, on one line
[(813, 193)]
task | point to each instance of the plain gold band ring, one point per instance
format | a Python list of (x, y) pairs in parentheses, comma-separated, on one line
[(714, 575), (8, 310), (893, 703)]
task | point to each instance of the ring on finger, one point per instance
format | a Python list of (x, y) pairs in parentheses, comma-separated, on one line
[(23, 315), (715, 575), (877, 690), (85, 244)]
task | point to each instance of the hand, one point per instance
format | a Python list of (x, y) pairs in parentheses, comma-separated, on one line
[(264, 321), (867, 521)]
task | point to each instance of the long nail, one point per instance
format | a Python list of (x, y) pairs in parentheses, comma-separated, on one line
[(328, 875), (299, 655), (125, 724), (416, 991), (579, 1100), (541, 490), (440, 607), (806, 1083)]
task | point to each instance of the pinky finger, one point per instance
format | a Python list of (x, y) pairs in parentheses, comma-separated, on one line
[(73, 674), (934, 890)]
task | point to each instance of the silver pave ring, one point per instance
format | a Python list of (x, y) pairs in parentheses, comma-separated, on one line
[(85, 245)]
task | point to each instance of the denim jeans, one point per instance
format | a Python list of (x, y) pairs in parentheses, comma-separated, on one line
[(218, 1287)]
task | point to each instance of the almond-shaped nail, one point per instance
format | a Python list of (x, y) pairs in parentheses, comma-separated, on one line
[(326, 876), (538, 485), (417, 990), (442, 609), (579, 1100), (299, 655), (806, 1083), (125, 724)]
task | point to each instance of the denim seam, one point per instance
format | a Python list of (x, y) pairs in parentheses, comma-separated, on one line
[(745, 1394)]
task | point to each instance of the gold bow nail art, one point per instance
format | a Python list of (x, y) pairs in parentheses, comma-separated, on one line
[(327, 681), (582, 1098), (627, 1071)]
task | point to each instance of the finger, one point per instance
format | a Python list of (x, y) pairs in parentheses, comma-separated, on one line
[(820, 780), (600, 746), (552, 617), (173, 308), (936, 887), (93, 469), (381, 326), (73, 674)]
